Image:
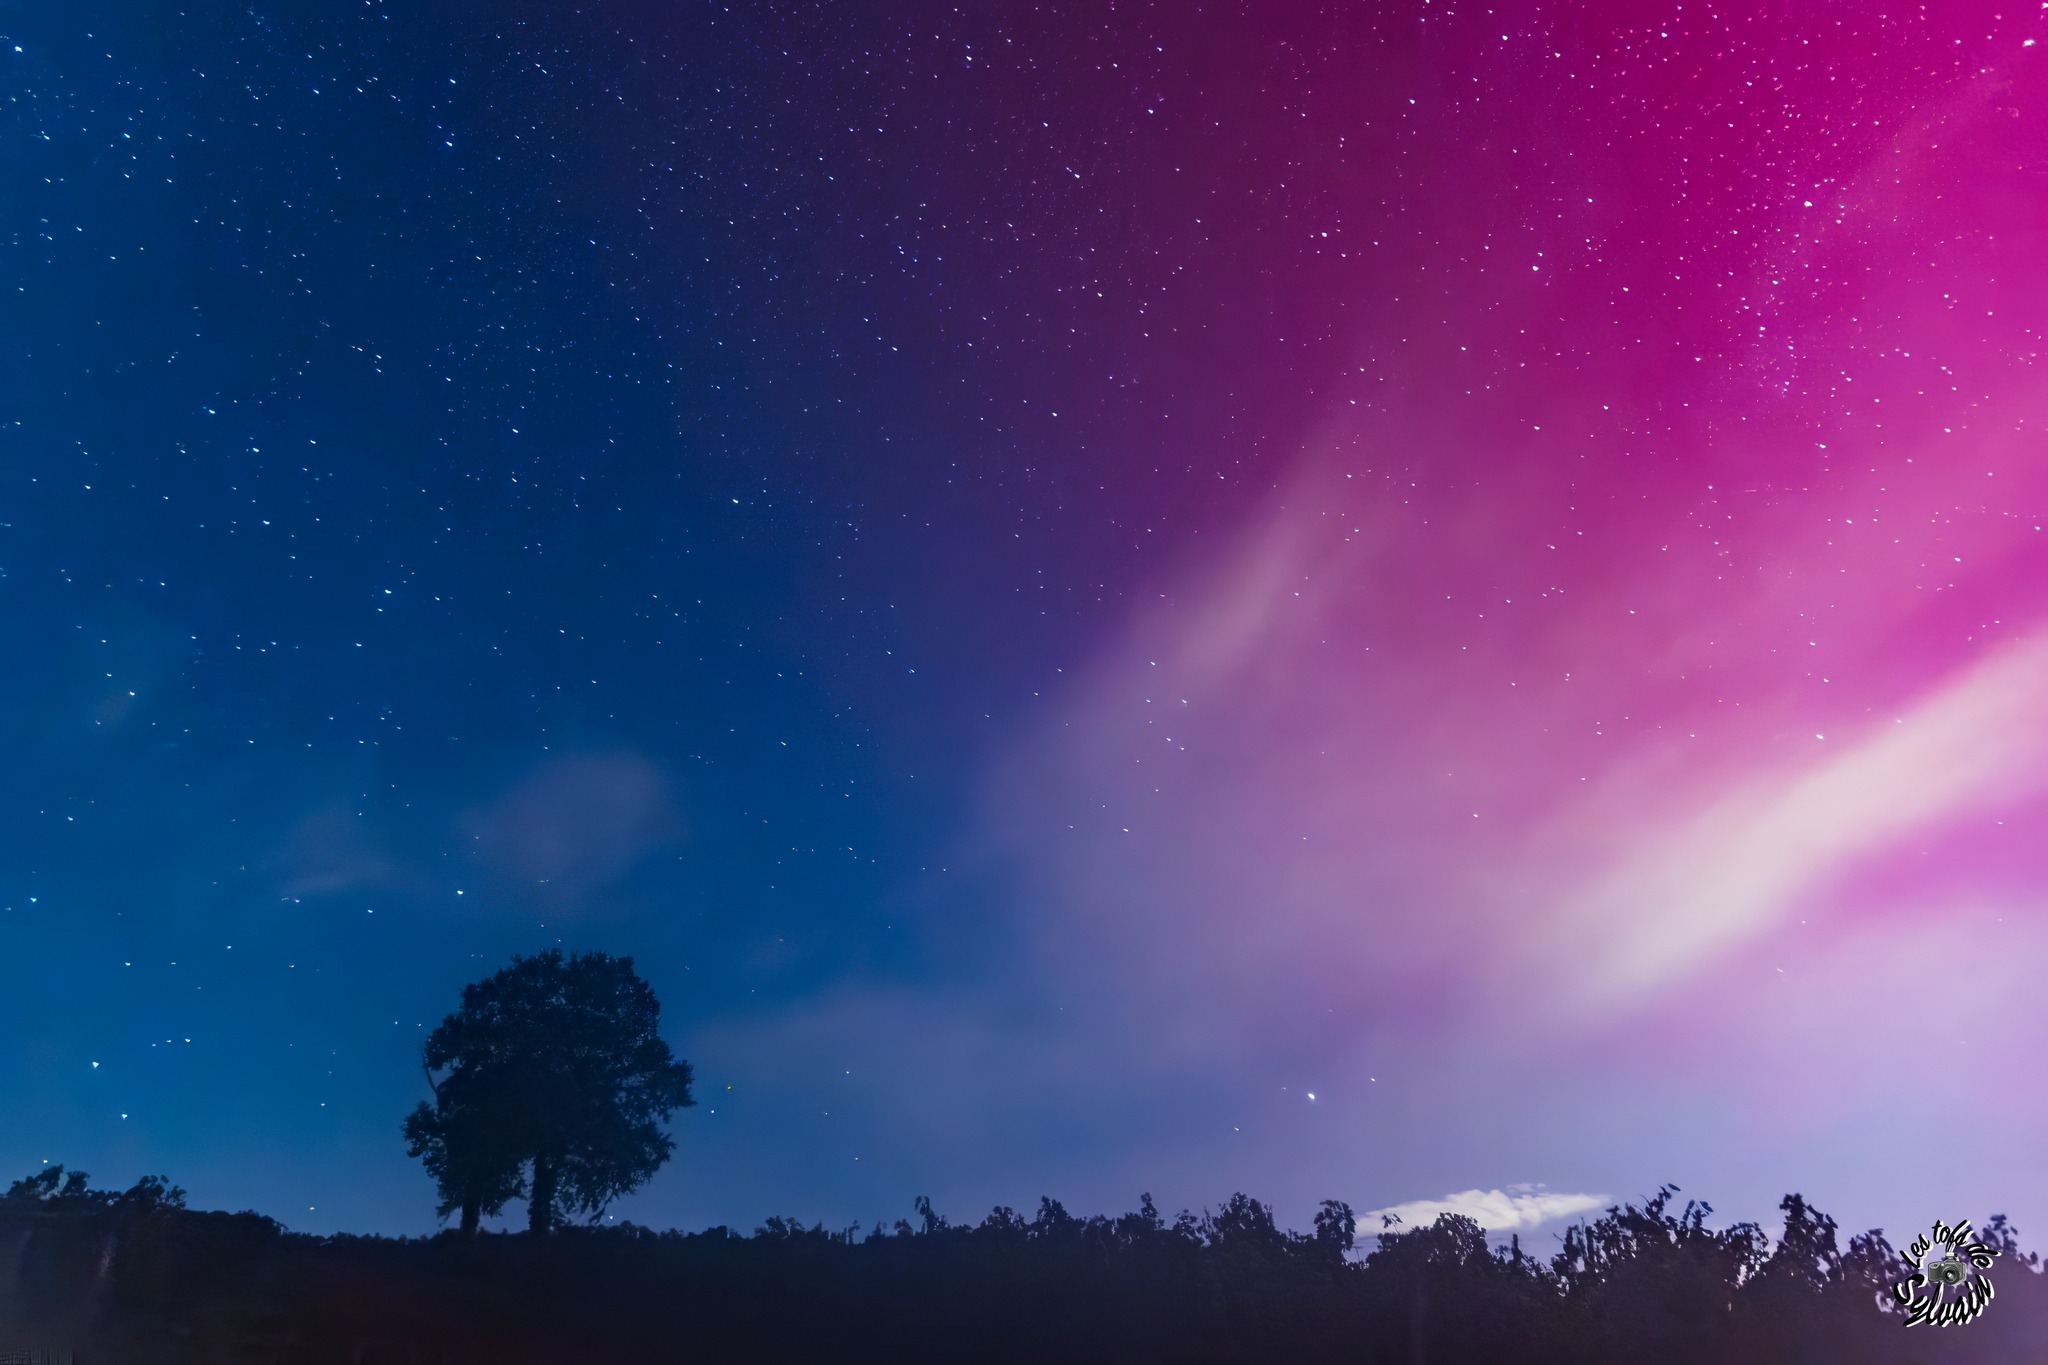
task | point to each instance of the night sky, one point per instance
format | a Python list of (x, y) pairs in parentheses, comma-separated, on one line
[(1355, 601)]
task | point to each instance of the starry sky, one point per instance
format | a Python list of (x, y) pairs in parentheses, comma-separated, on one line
[(1390, 601)]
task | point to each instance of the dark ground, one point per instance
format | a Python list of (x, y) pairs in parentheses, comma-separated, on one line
[(136, 1278)]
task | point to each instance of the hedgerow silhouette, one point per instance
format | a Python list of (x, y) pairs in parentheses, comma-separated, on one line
[(136, 1277)]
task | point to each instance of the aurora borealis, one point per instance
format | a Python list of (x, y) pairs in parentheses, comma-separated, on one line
[(1355, 601)]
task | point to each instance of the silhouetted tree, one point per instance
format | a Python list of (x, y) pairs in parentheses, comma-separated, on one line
[(1336, 1229), (53, 1183), (554, 1065), (458, 1139), (49, 1183), (1806, 1249)]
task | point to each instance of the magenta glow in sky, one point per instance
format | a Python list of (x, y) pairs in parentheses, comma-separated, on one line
[(1616, 747)]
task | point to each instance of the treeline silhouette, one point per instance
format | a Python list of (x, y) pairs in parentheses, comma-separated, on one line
[(136, 1277)]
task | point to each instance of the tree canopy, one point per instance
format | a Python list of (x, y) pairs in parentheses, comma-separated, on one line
[(551, 1083)]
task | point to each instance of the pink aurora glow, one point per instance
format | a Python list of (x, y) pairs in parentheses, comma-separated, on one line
[(1623, 729)]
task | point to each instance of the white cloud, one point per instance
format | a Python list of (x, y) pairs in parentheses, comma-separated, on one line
[(1509, 1210)]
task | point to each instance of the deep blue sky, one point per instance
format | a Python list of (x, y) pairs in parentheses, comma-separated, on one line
[(479, 478), (752, 488)]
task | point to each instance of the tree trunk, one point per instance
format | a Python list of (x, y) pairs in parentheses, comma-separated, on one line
[(470, 1214), (540, 1203)]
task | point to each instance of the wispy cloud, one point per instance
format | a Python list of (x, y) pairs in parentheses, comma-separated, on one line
[(1509, 1210), (578, 821), (1740, 866)]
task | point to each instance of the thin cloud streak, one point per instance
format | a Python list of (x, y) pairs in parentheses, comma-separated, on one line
[(1742, 865)]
